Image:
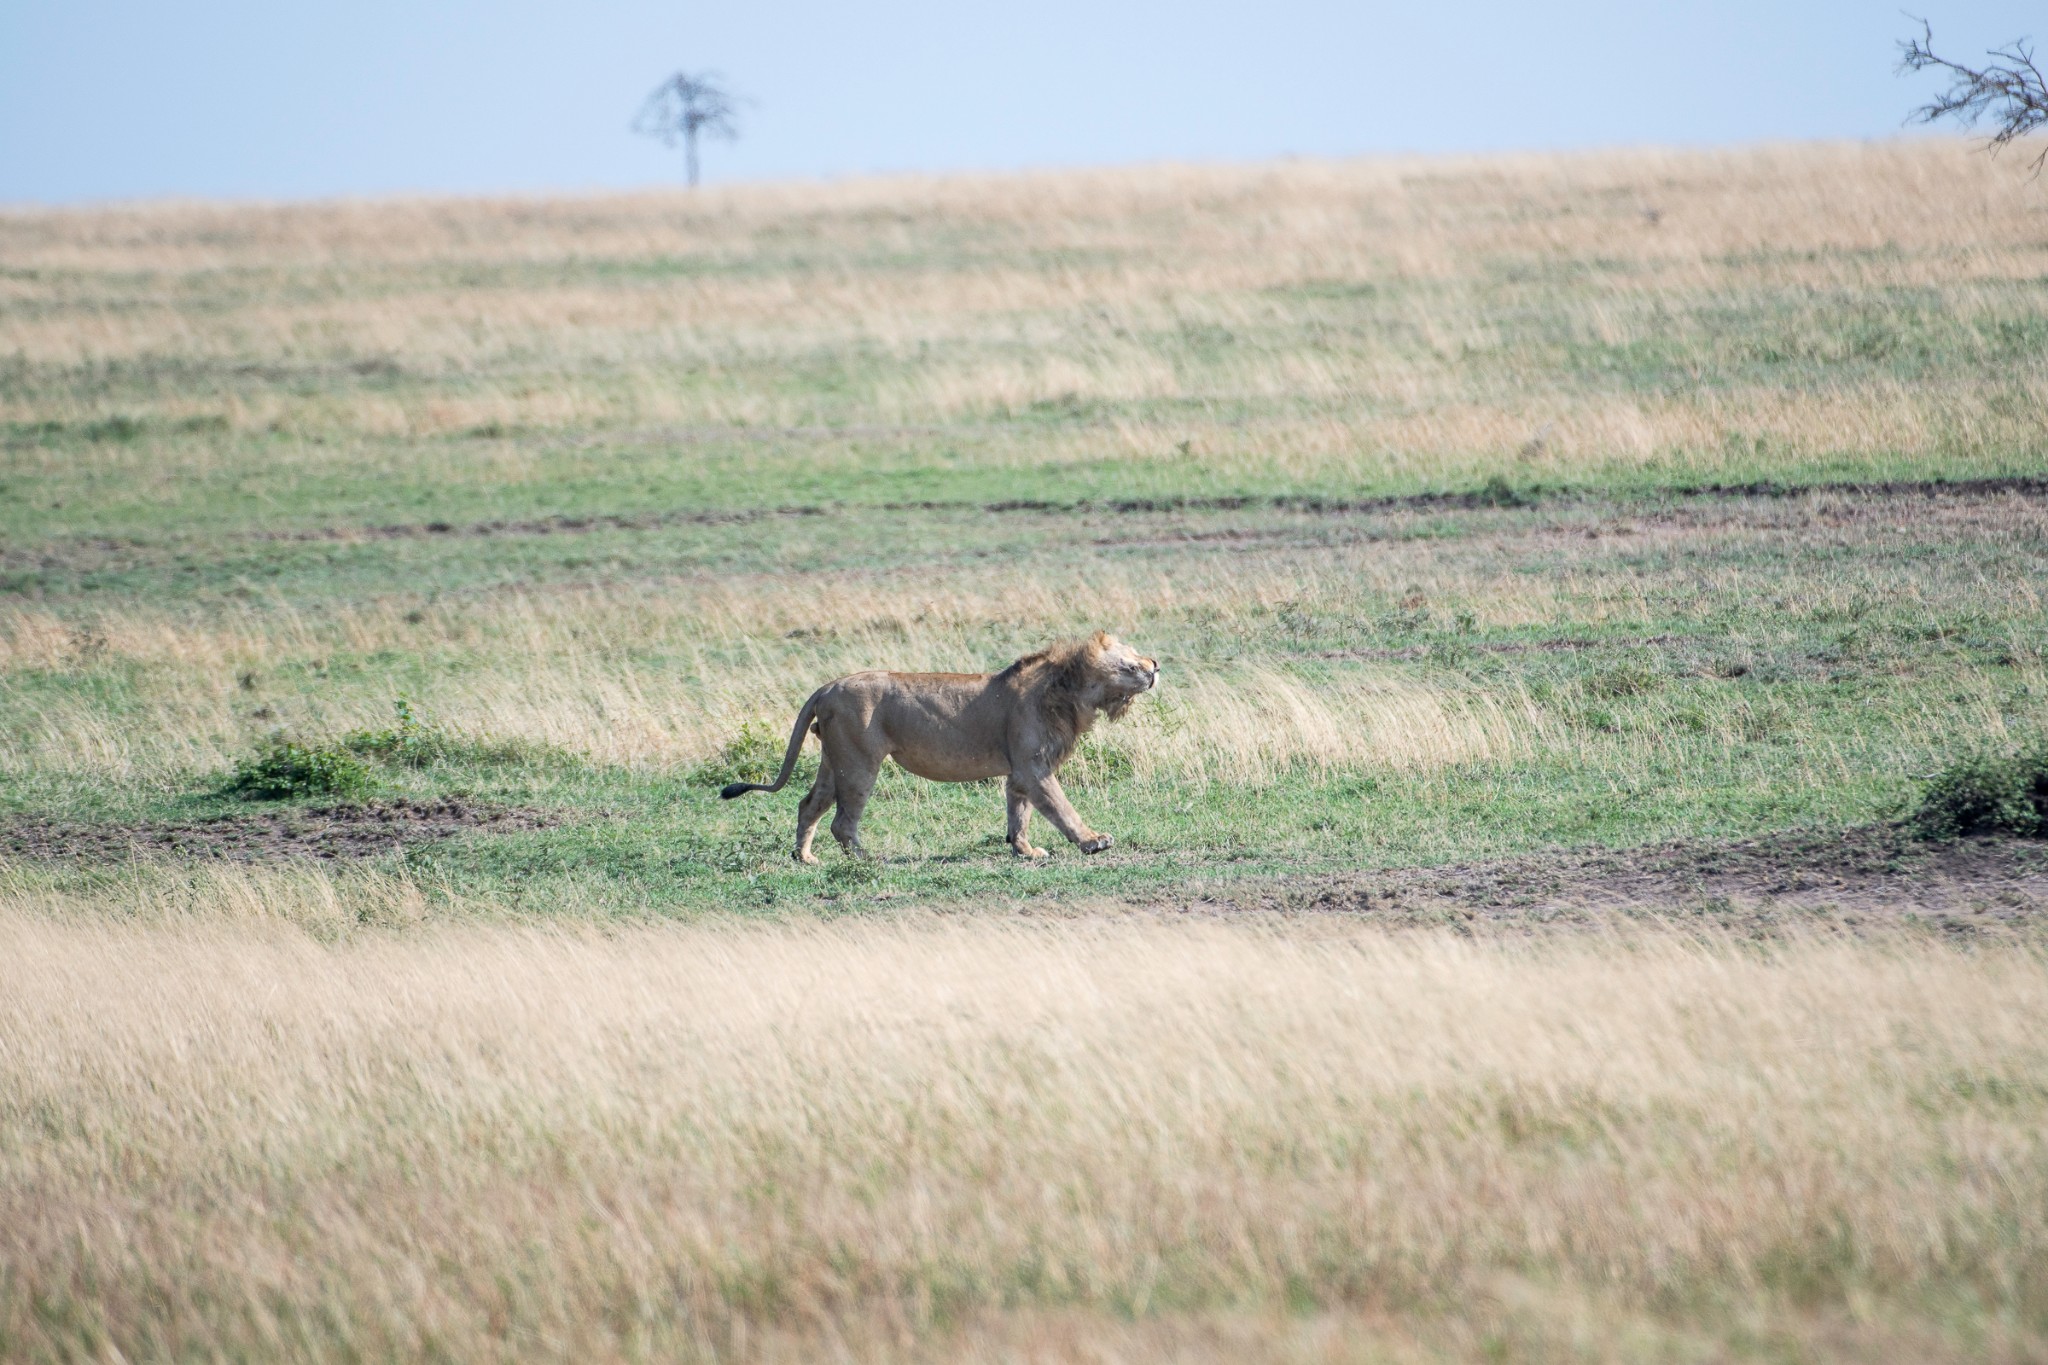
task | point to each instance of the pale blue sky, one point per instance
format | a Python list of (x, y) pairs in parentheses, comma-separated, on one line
[(255, 98)]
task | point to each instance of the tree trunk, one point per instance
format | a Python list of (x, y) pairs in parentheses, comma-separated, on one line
[(690, 155)]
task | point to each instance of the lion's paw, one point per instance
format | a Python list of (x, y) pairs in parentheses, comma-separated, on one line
[(1097, 844), (1027, 851)]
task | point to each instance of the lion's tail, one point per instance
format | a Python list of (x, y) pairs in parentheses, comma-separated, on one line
[(796, 746)]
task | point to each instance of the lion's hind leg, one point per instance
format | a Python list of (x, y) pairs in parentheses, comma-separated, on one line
[(853, 777), (812, 808)]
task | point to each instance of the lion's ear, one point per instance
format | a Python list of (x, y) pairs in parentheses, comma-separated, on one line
[(1104, 639)]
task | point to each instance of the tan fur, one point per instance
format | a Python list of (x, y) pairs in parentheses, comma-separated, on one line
[(1021, 723)]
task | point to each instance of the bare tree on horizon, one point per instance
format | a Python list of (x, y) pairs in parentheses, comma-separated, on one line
[(684, 106), (2008, 91)]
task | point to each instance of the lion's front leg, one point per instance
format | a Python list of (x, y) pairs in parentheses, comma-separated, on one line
[(1046, 794), (1020, 817)]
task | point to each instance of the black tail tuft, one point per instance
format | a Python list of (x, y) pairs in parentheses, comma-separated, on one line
[(732, 789)]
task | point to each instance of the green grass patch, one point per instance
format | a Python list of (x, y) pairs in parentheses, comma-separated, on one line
[(285, 769)]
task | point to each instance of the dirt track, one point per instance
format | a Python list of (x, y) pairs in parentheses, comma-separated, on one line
[(102, 551), (328, 832), (1970, 887), (1872, 874)]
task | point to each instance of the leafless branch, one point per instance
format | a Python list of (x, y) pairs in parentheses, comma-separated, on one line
[(2008, 92)]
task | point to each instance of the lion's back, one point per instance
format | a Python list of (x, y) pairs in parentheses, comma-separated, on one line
[(946, 726)]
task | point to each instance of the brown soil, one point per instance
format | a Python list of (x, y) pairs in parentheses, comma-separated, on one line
[(99, 551), (1557, 644), (341, 831), (2024, 485), (543, 526), (1872, 874)]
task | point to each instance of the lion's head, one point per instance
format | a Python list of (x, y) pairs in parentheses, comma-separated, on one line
[(1097, 674)]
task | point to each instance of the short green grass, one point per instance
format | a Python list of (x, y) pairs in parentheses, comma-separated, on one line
[(600, 498)]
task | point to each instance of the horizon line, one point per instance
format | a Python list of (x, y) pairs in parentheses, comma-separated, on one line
[(879, 178)]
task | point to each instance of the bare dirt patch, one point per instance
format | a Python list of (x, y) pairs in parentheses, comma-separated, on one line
[(1714, 505), (1500, 495), (1558, 644), (1870, 874), (562, 524), (327, 832)]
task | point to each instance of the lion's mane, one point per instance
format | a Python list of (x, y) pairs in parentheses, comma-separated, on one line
[(1057, 678)]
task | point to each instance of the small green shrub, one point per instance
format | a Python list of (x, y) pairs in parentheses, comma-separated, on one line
[(118, 429), (1498, 492), (287, 768), (853, 872), (412, 743), (1987, 794), (753, 755), (408, 743)]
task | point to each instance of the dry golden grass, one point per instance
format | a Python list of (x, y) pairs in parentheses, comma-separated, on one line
[(221, 1134), (968, 297), (1257, 720), (663, 672)]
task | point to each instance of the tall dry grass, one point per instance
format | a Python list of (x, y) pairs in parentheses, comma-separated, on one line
[(230, 1137), (664, 671), (938, 301), (1218, 722)]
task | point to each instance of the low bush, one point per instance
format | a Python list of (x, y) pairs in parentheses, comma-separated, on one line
[(286, 768), (412, 743), (1498, 492), (408, 743), (1987, 794)]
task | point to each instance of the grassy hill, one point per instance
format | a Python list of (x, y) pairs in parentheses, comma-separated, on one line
[(1592, 539), (1475, 507)]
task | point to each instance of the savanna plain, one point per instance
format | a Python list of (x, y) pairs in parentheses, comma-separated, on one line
[(1578, 891)]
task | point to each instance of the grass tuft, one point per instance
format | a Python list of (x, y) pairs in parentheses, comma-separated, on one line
[(1987, 794), (410, 742), (1098, 762), (1498, 492)]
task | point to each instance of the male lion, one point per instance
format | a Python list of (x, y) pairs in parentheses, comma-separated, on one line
[(961, 727)]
